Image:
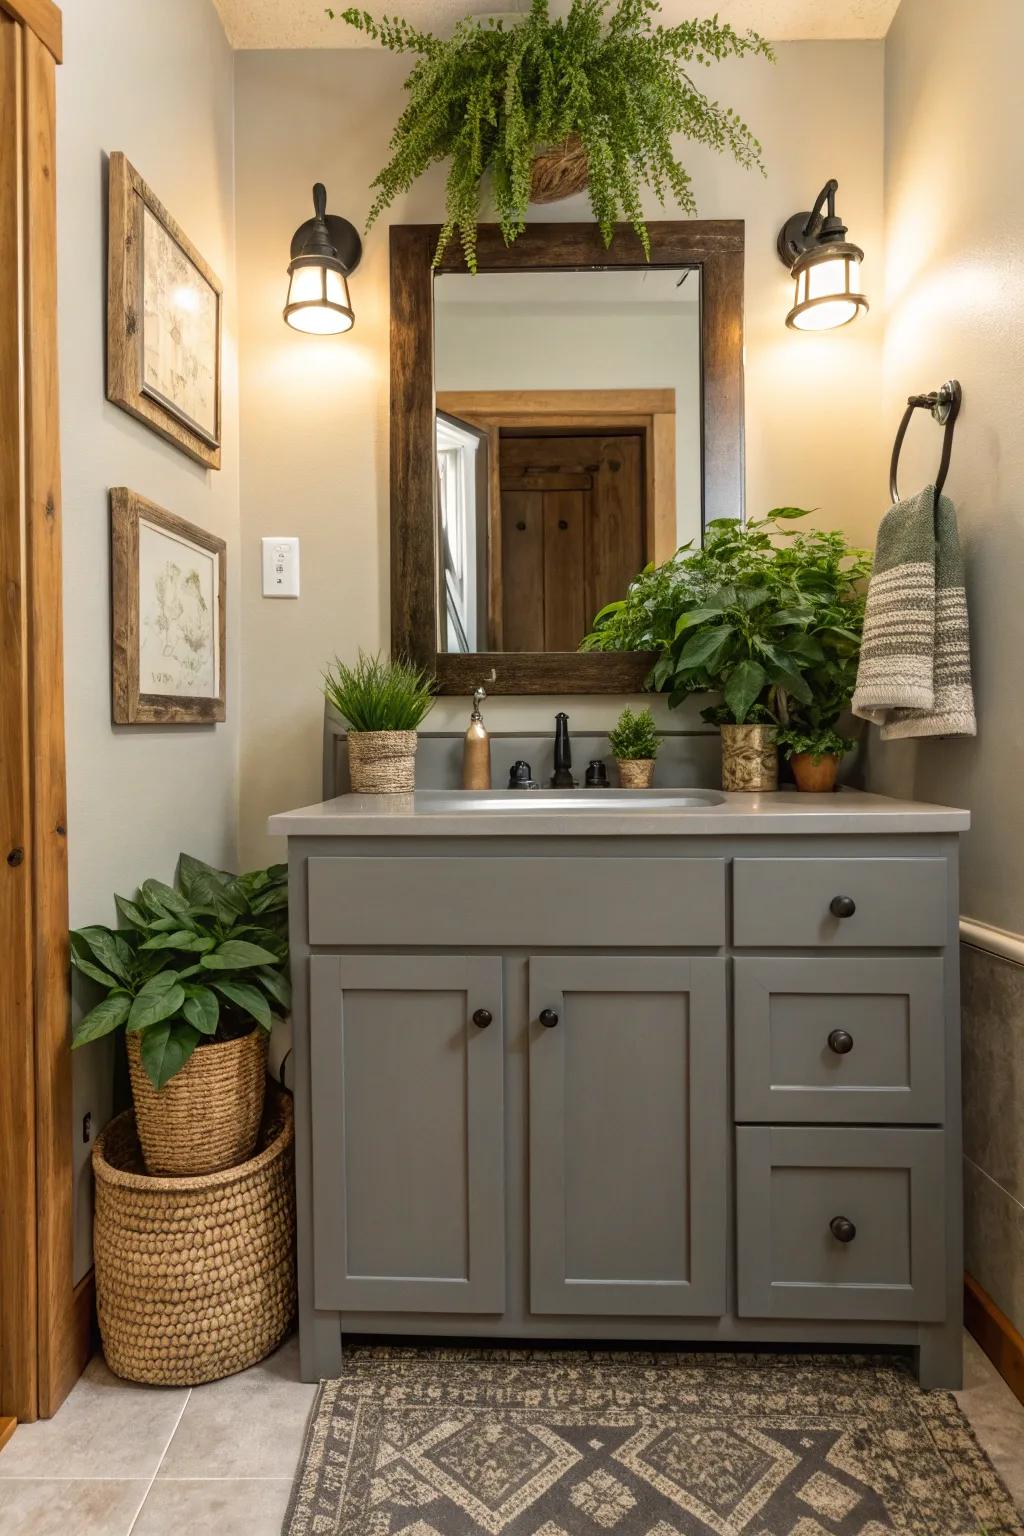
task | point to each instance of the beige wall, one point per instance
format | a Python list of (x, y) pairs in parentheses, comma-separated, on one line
[(315, 413), (955, 306), (156, 81)]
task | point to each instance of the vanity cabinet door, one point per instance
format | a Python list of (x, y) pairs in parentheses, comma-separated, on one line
[(628, 1139), (408, 1144)]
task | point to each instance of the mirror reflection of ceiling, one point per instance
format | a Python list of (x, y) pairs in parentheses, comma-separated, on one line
[(303, 24)]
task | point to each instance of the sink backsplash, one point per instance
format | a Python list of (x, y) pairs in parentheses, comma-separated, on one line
[(687, 758)]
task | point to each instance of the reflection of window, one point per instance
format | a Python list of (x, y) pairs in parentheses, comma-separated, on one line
[(456, 503)]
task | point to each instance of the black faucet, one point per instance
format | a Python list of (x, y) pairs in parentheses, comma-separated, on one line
[(562, 777)]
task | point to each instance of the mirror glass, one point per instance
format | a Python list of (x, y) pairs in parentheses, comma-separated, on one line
[(568, 437)]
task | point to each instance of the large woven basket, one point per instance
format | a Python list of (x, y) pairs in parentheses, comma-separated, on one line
[(195, 1278), (559, 171), (382, 762), (208, 1116)]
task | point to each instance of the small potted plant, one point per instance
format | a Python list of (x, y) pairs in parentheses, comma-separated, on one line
[(384, 703), (195, 976), (814, 755), (634, 743)]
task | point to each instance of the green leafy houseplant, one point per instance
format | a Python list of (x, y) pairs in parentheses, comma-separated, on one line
[(490, 96), (379, 695), (796, 741), (768, 615), (634, 737), (199, 962)]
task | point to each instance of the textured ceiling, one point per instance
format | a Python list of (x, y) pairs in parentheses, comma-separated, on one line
[(304, 23)]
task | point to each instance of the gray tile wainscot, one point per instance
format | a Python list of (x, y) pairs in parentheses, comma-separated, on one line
[(587, 1072)]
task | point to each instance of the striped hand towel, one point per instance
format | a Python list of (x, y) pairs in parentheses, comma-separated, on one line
[(914, 677)]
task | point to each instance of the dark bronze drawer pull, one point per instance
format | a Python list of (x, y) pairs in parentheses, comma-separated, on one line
[(842, 906), (842, 1229), (840, 1041), (482, 1018), (548, 1017)]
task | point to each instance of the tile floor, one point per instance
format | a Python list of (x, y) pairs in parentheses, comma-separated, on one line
[(120, 1460)]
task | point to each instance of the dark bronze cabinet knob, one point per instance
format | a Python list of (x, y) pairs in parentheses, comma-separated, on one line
[(842, 1229), (548, 1017), (482, 1018), (840, 1041), (842, 906)]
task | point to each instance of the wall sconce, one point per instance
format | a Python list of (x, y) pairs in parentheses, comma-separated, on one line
[(826, 267), (324, 251)]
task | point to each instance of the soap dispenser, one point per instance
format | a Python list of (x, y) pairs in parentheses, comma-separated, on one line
[(476, 749)]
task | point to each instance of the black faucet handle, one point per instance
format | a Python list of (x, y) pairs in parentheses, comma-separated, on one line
[(520, 776), (596, 776)]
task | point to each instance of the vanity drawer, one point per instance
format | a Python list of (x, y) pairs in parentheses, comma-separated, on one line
[(798, 903), (828, 1038), (660, 902), (840, 1223)]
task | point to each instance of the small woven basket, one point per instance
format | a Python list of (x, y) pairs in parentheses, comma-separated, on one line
[(208, 1116), (559, 171), (635, 772), (382, 762), (195, 1278), (750, 758)]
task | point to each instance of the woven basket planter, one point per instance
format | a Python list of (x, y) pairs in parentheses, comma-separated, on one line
[(382, 762), (635, 772), (195, 1278), (750, 759), (208, 1116), (559, 171)]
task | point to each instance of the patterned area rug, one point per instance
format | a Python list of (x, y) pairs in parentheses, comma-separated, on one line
[(444, 1442)]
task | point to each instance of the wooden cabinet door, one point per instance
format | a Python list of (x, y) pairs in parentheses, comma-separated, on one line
[(628, 1136), (408, 1142)]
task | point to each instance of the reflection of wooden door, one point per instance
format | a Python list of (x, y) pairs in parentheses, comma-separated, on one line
[(572, 533)]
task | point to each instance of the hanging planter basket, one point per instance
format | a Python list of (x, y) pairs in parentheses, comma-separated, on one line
[(559, 171)]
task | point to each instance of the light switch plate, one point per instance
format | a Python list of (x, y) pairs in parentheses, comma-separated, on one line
[(280, 567)]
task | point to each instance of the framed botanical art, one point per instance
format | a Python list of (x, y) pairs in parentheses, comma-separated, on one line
[(168, 611), (163, 320)]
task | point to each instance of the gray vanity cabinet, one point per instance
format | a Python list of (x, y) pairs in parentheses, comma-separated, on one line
[(406, 1058), (628, 1135)]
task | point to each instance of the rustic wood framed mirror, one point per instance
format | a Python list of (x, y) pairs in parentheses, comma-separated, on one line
[(558, 420)]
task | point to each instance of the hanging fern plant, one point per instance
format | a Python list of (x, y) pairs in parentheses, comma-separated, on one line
[(606, 82)]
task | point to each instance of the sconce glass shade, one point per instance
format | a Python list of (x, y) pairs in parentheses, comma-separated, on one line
[(318, 298), (828, 291)]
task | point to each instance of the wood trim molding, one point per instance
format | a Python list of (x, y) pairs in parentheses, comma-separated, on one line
[(7, 1428), (41, 1345), (994, 941), (41, 17), (996, 1334), (536, 403), (716, 248)]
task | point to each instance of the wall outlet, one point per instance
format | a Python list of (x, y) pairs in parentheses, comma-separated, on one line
[(280, 567)]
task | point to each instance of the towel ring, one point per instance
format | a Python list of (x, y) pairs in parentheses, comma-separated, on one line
[(944, 405)]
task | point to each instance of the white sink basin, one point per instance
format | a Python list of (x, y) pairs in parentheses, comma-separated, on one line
[(525, 801)]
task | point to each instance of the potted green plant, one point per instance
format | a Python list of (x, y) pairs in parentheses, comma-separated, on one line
[(814, 755), (195, 977), (384, 703), (767, 615), (597, 98), (634, 743)]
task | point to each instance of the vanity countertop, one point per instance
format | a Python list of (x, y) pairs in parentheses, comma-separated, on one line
[(430, 814)]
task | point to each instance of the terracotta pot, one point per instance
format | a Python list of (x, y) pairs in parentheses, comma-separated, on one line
[(207, 1117), (750, 761), (815, 778), (635, 772), (559, 171), (382, 762)]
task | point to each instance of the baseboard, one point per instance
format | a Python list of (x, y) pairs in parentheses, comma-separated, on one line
[(996, 1335), (6, 1431)]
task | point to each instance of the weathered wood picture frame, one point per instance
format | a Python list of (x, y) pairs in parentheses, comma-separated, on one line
[(177, 610), (178, 396)]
